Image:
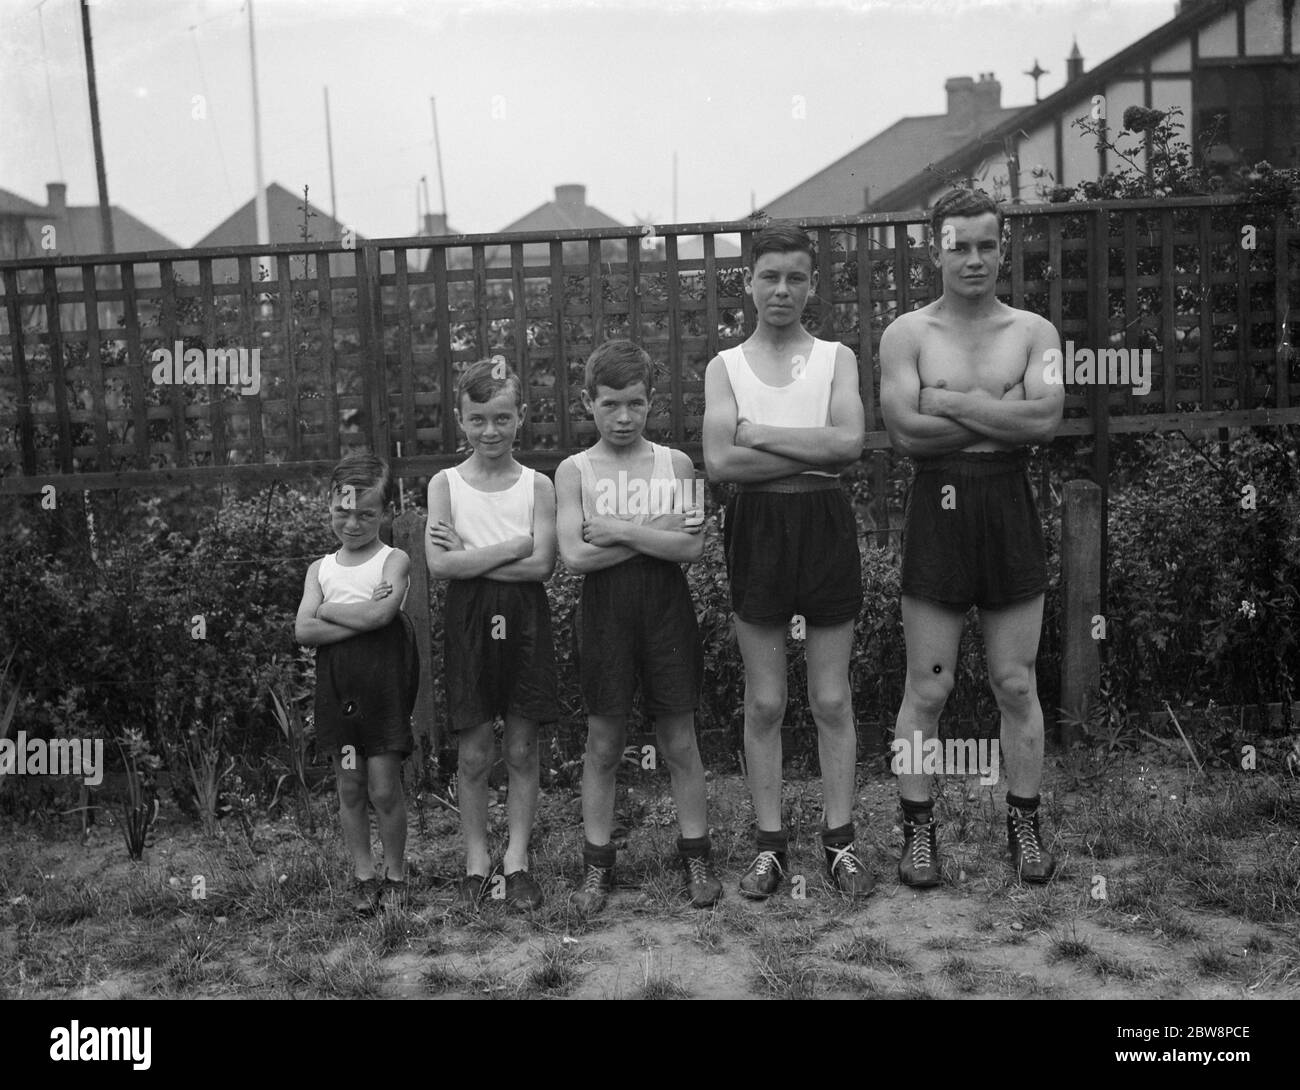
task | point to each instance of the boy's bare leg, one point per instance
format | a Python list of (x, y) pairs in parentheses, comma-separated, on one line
[(932, 634), (831, 702), (384, 775), (763, 649), (1011, 645), (520, 750), (606, 736), (476, 748), (354, 817), (1011, 648), (678, 748)]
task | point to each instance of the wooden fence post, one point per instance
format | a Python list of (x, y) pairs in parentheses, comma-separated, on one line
[(1080, 601), (408, 535)]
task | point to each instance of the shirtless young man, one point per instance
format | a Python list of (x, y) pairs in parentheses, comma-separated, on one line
[(782, 417), (963, 391)]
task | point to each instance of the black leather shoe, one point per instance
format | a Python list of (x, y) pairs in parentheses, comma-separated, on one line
[(1025, 842), (764, 875), (919, 866), (702, 885), (597, 884), (522, 890), (851, 876)]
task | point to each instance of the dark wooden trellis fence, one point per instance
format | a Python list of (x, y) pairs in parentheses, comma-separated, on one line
[(357, 347)]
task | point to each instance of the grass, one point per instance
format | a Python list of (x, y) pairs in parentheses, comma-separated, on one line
[(871, 952), (964, 975), (1181, 874), (780, 974), (555, 973)]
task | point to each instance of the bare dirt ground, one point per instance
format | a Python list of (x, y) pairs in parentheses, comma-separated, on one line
[(1173, 884)]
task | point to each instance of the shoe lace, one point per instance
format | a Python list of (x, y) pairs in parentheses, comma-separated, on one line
[(921, 849), (844, 857), (1025, 827), (595, 880), (764, 862), (698, 869)]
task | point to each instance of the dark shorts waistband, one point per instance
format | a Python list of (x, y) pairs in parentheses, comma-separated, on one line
[(976, 463), (802, 482)]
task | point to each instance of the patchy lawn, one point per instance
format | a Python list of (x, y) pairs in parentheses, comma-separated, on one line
[(1173, 884)]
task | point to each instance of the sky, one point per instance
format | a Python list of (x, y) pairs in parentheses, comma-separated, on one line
[(753, 96)]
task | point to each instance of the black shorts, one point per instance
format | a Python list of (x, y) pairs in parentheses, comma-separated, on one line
[(365, 690), (636, 623), (499, 653), (793, 553), (971, 533)]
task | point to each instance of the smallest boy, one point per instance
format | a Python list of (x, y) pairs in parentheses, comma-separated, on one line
[(492, 534), (627, 521)]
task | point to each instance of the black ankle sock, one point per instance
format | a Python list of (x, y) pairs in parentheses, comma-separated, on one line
[(917, 811), (693, 847), (1029, 806), (841, 837), (598, 855), (773, 842)]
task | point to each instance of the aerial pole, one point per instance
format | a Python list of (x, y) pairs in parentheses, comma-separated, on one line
[(437, 149), (329, 152), (101, 176)]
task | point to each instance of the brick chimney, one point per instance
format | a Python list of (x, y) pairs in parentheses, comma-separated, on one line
[(988, 95), (1074, 63), (571, 196), (56, 198), (961, 102)]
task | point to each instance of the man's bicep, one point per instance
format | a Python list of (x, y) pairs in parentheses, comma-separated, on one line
[(1044, 348), (900, 381), (846, 398), (720, 413), (568, 503), (312, 595)]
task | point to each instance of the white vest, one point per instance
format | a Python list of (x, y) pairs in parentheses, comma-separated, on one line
[(489, 518), (804, 402), (343, 584)]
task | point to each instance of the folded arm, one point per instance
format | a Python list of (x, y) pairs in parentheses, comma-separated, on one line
[(1033, 419), (838, 444), (538, 565), (308, 629), (724, 458), (444, 552), (675, 536), (579, 555), (912, 432), (378, 612)]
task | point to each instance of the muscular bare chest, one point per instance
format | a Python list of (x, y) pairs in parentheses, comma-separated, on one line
[(991, 355)]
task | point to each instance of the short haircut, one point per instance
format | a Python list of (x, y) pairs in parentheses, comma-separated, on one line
[(781, 238), (482, 380), (618, 364), (363, 472), (962, 202)]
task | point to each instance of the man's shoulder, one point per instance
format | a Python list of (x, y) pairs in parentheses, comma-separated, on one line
[(909, 325), (1028, 319)]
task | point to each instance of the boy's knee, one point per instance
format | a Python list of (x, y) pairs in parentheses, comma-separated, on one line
[(929, 692), (352, 790), (520, 753), (1013, 689), (387, 796), (765, 709), (474, 758), (678, 748), (831, 705)]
